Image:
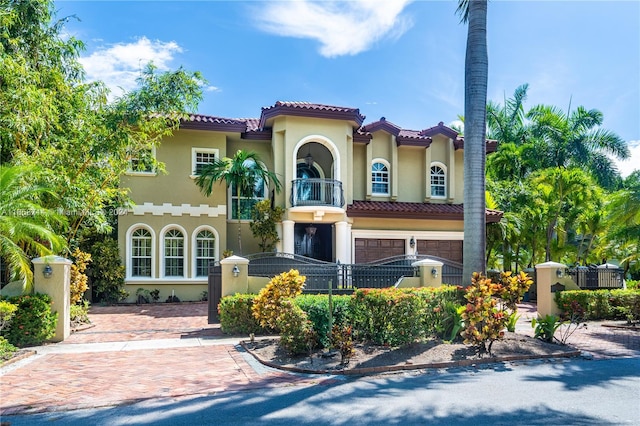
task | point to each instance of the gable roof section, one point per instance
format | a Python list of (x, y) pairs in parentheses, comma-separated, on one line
[(306, 109), (404, 210)]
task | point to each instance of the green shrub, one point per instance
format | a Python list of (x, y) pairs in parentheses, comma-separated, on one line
[(79, 313), (107, 272), (33, 322), (600, 304), (633, 284), (316, 306), (296, 331), (267, 306), (387, 316), (436, 317), (236, 316), (6, 349), (7, 311)]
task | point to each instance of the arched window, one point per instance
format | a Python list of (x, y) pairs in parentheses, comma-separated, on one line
[(173, 243), (438, 180), (379, 178), (205, 251), (141, 253)]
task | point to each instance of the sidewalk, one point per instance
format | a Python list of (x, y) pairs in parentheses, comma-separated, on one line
[(132, 353)]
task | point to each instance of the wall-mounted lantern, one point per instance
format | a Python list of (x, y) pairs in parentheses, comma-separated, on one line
[(412, 242), (434, 273), (559, 273), (235, 270), (47, 271)]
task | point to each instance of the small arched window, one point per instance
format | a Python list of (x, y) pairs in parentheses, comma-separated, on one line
[(379, 178), (438, 181)]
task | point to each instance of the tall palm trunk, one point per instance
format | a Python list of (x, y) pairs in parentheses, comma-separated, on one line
[(475, 110)]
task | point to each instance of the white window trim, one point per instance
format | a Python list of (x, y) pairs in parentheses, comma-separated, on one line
[(185, 246), (194, 152), (128, 266), (131, 172), (446, 189), (388, 166), (194, 249)]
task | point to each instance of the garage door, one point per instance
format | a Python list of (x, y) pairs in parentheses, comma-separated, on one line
[(448, 249), (370, 249)]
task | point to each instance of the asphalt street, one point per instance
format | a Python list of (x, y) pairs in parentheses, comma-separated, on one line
[(556, 392)]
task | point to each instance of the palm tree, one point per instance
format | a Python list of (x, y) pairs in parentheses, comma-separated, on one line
[(475, 109), (244, 174), (565, 193), (26, 228), (575, 139)]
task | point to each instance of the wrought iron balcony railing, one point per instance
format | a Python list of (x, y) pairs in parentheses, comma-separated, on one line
[(316, 192)]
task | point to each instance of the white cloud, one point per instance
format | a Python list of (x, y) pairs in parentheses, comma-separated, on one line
[(120, 64), (633, 162), (341, 27)]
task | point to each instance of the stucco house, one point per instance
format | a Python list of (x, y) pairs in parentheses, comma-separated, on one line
[(352, 192)]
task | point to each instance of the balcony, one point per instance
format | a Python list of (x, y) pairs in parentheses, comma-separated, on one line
[(316, 192)]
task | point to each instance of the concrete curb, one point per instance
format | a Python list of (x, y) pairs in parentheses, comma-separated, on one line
[(394, 368)]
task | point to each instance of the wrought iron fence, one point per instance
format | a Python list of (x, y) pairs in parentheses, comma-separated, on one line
[(316, 192), (593, 278), (339, 277)]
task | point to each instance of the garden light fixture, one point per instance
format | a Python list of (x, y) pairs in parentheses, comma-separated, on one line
[(235, 270), (47, 271)]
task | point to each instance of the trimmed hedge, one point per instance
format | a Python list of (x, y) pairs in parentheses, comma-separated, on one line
[(33, 322), (316, 306), (236, 316), (600, 304), (384, 316)]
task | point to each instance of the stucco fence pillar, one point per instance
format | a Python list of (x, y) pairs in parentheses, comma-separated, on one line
[(551, 277), (235, 275), (429, 275), (55, 282)]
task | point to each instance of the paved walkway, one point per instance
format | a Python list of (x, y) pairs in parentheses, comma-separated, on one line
[(167, 351)]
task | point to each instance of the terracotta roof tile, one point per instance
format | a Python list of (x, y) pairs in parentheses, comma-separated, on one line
[(307, 109), (438, 211)]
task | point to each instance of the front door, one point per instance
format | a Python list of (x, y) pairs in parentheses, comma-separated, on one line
[(314, 241)]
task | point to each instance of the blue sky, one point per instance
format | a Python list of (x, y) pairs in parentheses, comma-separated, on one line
[(400, 59)]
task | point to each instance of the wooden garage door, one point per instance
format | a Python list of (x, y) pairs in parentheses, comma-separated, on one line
[(449, 249), (370, 249)]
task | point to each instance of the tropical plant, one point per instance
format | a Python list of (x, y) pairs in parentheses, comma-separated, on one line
[(475, 101), (563, 194), (66, 128), (245, 174), (263, 224), (107, 272), (78, 282), (545, 327), (26, 227), (575, 139)]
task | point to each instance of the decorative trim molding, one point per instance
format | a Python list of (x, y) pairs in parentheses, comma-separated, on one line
[(181, 210)]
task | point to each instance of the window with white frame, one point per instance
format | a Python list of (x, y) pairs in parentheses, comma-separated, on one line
[(205, 252), (248, 198), (380, 178), (141, 253), (438, 181), (200, 157), (142, 162), (173, 253)]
